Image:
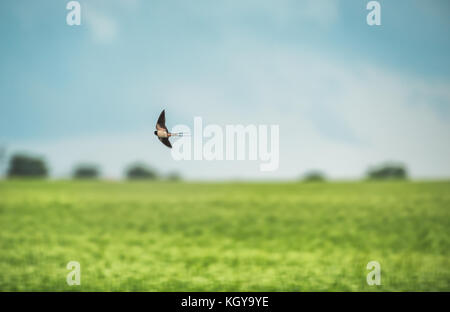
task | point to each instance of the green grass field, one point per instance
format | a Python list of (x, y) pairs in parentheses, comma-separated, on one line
[(224, 236)]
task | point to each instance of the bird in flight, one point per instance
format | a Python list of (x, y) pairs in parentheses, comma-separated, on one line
[(161, 130)]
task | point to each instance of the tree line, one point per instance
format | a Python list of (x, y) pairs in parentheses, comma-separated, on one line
[(384, 171), (21, 165)]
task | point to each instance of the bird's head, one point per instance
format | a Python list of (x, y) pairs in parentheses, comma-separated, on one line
[(155, 133)]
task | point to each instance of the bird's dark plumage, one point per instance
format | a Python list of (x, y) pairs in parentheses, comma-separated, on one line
[(166, 142), (161, 130), (161, 123)]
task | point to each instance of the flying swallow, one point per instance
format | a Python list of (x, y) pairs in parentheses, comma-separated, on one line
[(161, 130)]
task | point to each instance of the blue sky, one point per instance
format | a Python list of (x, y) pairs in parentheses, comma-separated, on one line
[(346, 95)]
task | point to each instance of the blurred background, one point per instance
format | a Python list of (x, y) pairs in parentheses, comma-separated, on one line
[(352, 101), (348, 97)]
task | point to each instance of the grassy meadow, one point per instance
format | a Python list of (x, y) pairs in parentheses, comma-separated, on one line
[(161, 236)]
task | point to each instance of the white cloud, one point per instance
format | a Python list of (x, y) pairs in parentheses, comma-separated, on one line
[(101, 20), (389, 116), (104, 29)]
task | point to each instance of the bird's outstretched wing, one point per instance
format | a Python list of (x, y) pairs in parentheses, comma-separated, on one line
[(166, 142), (161, 123)]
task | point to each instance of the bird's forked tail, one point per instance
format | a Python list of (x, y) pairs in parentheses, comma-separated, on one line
[(180, 134)]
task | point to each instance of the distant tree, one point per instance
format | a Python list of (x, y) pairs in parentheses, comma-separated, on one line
[(86, 171), (2, 159), (314, 176), (174, 176), (22, 165), (388, 171), (140, 171)]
